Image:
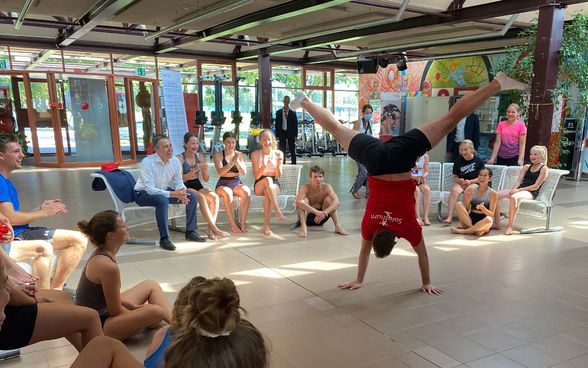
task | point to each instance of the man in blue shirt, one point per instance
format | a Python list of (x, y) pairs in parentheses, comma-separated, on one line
[(72, 244)]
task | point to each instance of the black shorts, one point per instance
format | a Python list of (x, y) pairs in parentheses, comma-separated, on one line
[(310, 220), (276, 181), (512, 161), (194, 184), (476, 217), (18, 326), (396, 156), (36, 233)]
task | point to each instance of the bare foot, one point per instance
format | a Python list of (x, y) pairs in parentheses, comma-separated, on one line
[(455, 230), (447, 221), (212, 235), (507, 83), (280, 216), (235, 228), (267, 232), (341, 231), (243, 227), (509, 231), (420, 222), (427, 222), (302, 232), (221, 234)]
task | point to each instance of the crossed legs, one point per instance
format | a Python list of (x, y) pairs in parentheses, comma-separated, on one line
[(269, 190), (152, 308), (479, 228)]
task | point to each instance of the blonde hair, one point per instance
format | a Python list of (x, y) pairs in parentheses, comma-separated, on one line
[(515, 106), (542, 150), (272, 136), (209, 330), (469, 143)]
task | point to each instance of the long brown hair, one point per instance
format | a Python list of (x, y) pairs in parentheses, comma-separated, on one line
[(210, 331)]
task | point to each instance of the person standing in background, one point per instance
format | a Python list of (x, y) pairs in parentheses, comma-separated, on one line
[(363, 125), (467, 128), (511, 135), (287, 129)]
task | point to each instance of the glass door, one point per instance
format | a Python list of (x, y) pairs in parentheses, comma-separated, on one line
[(35, 102), (125, 128), (143, 112)]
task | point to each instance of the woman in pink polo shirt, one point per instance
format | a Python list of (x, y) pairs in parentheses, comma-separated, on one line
[(511, 134)]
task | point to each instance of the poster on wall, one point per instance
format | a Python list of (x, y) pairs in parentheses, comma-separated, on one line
[(175, 110), (390, 115)]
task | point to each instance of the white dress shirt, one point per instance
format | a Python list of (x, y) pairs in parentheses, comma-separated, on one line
[(460, 131), (156, 176), (284, 119)]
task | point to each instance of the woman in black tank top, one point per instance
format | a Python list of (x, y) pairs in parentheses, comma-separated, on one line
[(194, 167), (530, 180), (476, 212), (125, 313), (229, 165)]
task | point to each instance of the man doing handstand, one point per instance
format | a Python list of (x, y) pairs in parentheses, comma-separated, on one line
[(390, 210), (317, 202)]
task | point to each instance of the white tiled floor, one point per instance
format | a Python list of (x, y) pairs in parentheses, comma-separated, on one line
[(519, 301)]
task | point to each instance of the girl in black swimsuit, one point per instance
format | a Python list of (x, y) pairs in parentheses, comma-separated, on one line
[(194, 167), (527, 185), (229, 165)]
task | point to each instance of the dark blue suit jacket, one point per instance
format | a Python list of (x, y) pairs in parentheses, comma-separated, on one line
[(471, 132), (292, 131), (121, 181)]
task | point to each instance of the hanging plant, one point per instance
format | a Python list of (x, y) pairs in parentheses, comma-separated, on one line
[(572, 78)]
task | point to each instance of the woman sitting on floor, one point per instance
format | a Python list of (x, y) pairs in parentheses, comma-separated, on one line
[(229, 165), (477, 210), (194, 167), (122, 314), (24, 320), (527, 186), (465, 173), (267, 168)]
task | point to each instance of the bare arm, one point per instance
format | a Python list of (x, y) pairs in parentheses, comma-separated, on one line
[(203, 167), (110, 281), (256, 166), (279, 162), (48, 208), (522, 144), (423, 259), (362, 264), (334, 200), (495, 149), (426, 166), (493, 202), (301, 203)]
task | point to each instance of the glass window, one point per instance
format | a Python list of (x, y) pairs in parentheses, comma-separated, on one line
[(286, 76), (210, 71), (315, 78), (346, 80), (87, 62), (85, 118)]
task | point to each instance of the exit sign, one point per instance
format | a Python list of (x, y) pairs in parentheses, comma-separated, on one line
[(3, 64), (140, 72)]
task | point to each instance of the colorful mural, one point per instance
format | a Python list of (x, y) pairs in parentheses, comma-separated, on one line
[(450, 77)]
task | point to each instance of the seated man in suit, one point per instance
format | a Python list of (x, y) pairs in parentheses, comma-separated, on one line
[(160, 183), (287, 129), (467, 128)]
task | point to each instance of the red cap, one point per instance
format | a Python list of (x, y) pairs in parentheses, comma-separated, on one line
[(109, 167)]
